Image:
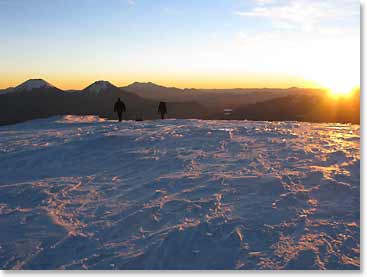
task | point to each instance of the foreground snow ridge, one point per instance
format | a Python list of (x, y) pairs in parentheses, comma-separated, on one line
[(85, 193)]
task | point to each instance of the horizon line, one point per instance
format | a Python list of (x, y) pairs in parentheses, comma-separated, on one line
[(173, 87)]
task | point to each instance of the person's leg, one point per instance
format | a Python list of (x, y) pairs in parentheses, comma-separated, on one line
[(120, 117), (162, 115)]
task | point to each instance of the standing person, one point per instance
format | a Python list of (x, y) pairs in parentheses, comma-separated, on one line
[(119, 108), (162, 109)]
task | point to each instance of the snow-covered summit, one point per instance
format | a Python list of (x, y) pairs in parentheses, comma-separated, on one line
[(28, 86), (33, 84), (100, 86)]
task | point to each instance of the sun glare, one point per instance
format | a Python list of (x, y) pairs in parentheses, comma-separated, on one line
[(338, 85), (340, 90), (337, 94)]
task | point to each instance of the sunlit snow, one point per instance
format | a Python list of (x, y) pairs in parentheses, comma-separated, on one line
[(86, 193)]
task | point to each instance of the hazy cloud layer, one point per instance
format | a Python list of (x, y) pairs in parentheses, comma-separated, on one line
[(303, 15)]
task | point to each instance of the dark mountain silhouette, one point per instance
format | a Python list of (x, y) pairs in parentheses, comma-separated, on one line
[(311, 108), (24, 103), (33, 84), (100, 87), (151, 88), (214, 98), (38, 99), (7, 90)]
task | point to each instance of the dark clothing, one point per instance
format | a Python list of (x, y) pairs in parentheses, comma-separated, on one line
[(119, 114), (162, 109), (119, 108)]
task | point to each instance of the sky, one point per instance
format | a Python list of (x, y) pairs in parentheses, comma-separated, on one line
[(182, 43)]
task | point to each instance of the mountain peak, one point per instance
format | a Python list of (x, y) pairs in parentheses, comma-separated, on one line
[(144, 84), (99, 86), (33, 84), (147, 86)]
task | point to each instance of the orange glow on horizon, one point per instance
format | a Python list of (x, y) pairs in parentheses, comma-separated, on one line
[(201, 81), (338, 93)]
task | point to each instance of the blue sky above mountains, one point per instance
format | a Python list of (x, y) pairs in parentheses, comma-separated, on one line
[(192, 43)]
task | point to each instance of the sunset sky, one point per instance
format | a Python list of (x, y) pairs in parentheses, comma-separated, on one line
[(183, 43)]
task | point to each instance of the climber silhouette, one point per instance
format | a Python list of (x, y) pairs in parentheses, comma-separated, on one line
[(162, 109), (119, 108)]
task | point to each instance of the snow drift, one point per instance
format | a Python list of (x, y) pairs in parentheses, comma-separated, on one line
[(85, 193)]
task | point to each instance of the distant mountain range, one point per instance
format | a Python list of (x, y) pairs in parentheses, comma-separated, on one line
[(215, 98), (37, 98), (311, 108)]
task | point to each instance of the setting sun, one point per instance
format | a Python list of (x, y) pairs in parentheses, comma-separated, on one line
[(341, 83), (338, 88), (337, 81), (339, 93)]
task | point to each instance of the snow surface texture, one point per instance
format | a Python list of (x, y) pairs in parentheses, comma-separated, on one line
[(85, 193)]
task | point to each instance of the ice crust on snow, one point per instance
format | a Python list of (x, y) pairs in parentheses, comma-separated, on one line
[(85, 193)]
